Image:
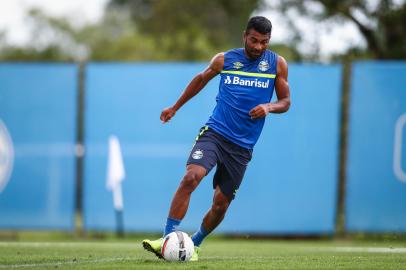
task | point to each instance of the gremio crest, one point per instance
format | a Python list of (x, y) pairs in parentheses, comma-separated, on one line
[(263, 66)]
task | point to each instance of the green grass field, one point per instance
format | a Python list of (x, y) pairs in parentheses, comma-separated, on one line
[(216, 254)]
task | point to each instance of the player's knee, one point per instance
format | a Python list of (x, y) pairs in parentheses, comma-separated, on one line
[(220, 208), (190, 181)]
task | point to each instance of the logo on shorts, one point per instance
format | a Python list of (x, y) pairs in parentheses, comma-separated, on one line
[(6, 156), (198, 154)]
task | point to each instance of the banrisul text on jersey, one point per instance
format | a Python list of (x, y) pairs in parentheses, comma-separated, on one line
[(244, 84)]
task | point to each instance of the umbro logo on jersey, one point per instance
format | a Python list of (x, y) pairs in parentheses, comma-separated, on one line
[(246, 82), (238, 65)]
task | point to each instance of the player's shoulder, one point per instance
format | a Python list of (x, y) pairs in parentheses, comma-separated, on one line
[(219, 55), (282, 62), (217, 62), (218, 58), (282, 66)]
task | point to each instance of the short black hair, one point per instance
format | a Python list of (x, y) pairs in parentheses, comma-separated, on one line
[(260, 24)]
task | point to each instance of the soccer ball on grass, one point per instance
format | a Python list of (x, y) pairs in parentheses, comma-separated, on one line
[(177, 246)]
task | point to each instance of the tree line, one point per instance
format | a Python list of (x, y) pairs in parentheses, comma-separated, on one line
[(185, 30)]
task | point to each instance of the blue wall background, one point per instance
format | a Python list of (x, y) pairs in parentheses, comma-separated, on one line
[(291, 183), (290, 186), (38, 107), (376, 194)]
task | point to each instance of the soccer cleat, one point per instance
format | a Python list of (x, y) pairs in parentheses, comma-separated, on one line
[(195, 256), (153, 246)]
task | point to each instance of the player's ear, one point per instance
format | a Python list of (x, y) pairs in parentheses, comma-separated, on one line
[(244, 35)]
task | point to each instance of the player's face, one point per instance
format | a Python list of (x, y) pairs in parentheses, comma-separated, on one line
[(255, 43)]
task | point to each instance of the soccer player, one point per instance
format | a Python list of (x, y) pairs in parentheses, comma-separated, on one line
[(249, 76)]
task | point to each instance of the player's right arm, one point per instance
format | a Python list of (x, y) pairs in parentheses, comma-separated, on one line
[(195, 85)]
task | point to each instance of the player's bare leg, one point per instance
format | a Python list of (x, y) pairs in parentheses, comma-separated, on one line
[(217, 211), (180, 202), (211, 220)]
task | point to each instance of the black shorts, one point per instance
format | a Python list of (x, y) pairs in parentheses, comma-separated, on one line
[(213, 149)]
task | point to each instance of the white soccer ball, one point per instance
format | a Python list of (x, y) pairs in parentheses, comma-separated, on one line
[(177, 246)]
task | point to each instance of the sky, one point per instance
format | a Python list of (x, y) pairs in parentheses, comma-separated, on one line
[(13, 14), (329, 37)]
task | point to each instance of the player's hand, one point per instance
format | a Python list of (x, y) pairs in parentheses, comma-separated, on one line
[(167, 114), (259, 111)]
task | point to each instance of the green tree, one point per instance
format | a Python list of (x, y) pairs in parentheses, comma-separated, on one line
[(382, 25), (142, 30), (56, 39), (50, 53), (190, 30)]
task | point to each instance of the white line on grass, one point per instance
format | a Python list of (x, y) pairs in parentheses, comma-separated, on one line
[(78, 262), (66, 244), (367, 249)]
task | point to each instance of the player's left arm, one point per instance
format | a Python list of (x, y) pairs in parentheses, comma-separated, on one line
[(282, 93)]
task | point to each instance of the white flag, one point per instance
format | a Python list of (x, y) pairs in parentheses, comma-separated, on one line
[(115, 172)]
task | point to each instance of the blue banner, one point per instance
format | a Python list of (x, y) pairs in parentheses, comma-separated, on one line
[(290, 186), (376, 165), (37, 139)]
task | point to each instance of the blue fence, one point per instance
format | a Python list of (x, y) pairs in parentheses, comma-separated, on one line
[(290, 186), (376, 175), (37, 138), (292, 180)]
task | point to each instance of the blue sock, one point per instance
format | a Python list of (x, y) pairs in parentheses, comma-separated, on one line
[(199, 236), (171, 225)]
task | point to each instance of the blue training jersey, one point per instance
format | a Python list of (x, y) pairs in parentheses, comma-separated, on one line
[(244, 84)]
